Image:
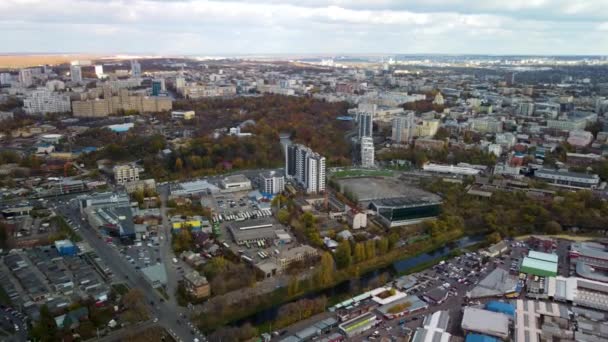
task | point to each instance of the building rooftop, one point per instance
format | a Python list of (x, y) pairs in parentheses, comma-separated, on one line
[(485, 322), (549, 172), (196, 278), (414, 301), (155, 274), (543, 256), (590, 249), (236, 179), (539, 264), (428, 335)]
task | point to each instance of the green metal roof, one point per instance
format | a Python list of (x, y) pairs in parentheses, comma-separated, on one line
[(539, 265), (543, 256)]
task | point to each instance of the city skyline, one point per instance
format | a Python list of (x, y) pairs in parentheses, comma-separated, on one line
[(539, 27)]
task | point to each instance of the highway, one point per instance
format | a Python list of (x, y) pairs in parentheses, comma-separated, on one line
[(169, 314)]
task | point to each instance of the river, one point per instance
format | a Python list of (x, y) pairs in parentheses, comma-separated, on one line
[(350, 286)]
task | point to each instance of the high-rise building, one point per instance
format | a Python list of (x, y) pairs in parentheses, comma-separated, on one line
[(26, 77), (272, 182), (99, 71), (306, 167), (135, 69), (180, 83), (156, 88), (43, 101), (366, 125), (76, 73), (510, 78), (290, 160), (367, 152), (5, 78), (403, 129)]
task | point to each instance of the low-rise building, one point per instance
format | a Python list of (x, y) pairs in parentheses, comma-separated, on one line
[(235, 183), (485, 322), (358, 325), (299, 253), (183, 115), (197, 285), (126, 173), (567, 179)]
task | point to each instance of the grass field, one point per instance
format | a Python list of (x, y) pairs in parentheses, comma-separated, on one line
[(362, 173)]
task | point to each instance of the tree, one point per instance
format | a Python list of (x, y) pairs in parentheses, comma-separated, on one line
[(179, 164), (283, 216), (370, 249), (343, 255), (382, 246), (494, 237), (293, 287), (442, 133), (359, 252), (46, 328), (325, 272), (133, 301), (553, 227), (183, 240)]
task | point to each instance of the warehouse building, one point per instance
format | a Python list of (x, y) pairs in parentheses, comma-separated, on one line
[(540, 264), (537, 321), (235, 183), (591, 253), (576, 180), (394, 212), (358, 325), (252, 231), (402, 307), (485, 322), (434, 328)]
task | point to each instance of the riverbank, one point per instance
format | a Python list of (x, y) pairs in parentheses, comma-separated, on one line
[(262, 309), (575, 238)]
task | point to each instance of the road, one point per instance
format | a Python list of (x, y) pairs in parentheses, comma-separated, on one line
[(167, 312), (166, 253)]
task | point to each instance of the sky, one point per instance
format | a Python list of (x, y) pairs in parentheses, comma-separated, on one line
[(259, 27)]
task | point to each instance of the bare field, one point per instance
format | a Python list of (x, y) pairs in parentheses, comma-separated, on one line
[(21, 61)]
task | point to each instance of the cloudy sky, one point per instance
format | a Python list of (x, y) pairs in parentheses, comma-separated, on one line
[(228, 27)]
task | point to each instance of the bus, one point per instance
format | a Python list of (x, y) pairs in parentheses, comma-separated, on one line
[(246, 258)]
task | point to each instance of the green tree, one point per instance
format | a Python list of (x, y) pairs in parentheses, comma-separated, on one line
[(179, 164), (325, 271), (382, 246), (370, 249), (283, 216), (359, 252), (343, 255), (553, 227), (45, 329), (135, 304), (293, 287), (494, 237)]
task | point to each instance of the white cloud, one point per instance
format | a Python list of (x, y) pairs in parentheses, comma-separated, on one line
[(315, 26)]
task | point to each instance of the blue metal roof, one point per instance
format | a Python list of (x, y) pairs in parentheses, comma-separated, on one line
[(480, 338), (501, 307)]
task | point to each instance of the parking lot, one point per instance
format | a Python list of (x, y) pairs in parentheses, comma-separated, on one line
[(13, 325), (141, 254)]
